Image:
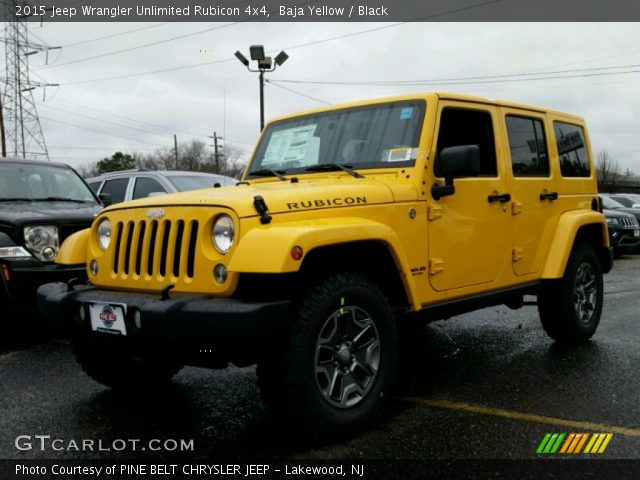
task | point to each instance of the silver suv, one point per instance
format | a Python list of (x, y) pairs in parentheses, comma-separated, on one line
[(134, 184)]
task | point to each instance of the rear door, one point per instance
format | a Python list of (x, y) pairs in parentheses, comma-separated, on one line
[(533, 188)]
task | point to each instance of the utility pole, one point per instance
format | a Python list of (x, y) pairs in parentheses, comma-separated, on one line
[(215, 146), (175, 148), (23, 130)]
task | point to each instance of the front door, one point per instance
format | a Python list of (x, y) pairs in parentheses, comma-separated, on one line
[(470, 231)]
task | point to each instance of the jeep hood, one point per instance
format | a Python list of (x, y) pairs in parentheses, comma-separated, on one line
[(283, 196)]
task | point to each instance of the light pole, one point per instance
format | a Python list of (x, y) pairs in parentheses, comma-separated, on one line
[(264, 65)]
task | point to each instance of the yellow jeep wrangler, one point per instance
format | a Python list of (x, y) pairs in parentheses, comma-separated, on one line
[(349, 220)]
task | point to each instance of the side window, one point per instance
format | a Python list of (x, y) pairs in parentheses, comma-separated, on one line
[(116, 188), (528, 147), (468, 127), (145, 185), (95, 186), (572, 150)]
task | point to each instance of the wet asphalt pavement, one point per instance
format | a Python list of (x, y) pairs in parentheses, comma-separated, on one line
[(484, 385)]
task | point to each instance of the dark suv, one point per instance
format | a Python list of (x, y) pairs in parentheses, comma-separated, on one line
[(41, 204), (624, 232)]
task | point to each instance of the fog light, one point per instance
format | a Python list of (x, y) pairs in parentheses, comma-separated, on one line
[(93, 266), (48, 253), (137, 319), (220, 273), (81, 313)]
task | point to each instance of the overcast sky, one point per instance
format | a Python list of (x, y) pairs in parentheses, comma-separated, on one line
[(191, 101)]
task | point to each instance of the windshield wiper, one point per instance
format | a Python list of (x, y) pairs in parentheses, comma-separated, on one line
[(267, 172), (57, 199), (328, 167), (3, 199)]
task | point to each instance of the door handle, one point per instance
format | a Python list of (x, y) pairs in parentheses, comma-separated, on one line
[(549, 196), (502, 198)]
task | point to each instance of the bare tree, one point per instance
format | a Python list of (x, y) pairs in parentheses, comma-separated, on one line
[(608, 172), (232, 165), (193, 157)]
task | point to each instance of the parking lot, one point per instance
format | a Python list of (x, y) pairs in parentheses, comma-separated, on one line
[(484, 385)]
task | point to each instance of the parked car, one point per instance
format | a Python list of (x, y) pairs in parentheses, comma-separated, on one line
[(134, 184), (629, 200), (610, 204), (624, 232), (41, 204), (349, 220)]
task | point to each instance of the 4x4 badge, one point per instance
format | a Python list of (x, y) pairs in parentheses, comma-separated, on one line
[(155, 213)]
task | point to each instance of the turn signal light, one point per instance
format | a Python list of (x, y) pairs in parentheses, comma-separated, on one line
[(296, 252), (5, 272)]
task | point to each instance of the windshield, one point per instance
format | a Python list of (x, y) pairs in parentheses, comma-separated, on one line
[(196, 182), (377, 136), (31, 182), (610, 203)]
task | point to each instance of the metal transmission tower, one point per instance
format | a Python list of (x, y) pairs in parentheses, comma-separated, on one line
[(23, 131)]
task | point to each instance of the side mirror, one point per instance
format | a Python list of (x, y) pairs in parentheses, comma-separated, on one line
[(105, 199), (456, 162)]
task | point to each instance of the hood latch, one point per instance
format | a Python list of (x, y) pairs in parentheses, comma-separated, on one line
[(262, 209)]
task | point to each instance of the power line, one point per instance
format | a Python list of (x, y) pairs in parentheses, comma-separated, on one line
[(101, 120), (291, 47), (100, 132), (168, 129), (471, 82), (438, 81), (70, 147), (297, 93), (179, 37), (105, 37)]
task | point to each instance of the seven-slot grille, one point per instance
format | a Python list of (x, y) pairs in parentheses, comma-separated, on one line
[(155, 248), (629, 222)]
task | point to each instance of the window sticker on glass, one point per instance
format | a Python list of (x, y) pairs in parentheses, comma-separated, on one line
[(399, 154), (294, 147), (406, 113)]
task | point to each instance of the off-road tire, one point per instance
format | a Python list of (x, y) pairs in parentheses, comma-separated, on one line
[(570, 308), (289, 379), (116, 367)]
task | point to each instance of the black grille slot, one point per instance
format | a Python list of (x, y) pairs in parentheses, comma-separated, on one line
[(155, 248), (127, 251), (191, 254), (116, 256), (142, 227), (177, 248), (164, 248), (152, 246)]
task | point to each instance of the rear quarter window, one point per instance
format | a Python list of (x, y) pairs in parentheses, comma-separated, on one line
[(572, 150)]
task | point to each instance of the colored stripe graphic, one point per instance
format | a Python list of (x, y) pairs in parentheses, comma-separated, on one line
[(598, 443), (553, 443), (550, 443)]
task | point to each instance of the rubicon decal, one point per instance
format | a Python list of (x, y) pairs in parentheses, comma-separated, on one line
[(574, 443), (326, 202)]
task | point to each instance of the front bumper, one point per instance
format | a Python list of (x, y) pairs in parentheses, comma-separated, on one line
[(624, 238), (188, 321), (23, 277)]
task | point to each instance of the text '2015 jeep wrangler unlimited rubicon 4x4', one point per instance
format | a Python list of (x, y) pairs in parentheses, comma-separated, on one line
[(348, 221)]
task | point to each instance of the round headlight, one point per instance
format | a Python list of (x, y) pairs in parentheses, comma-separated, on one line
[(223, 233), (104, 233)]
